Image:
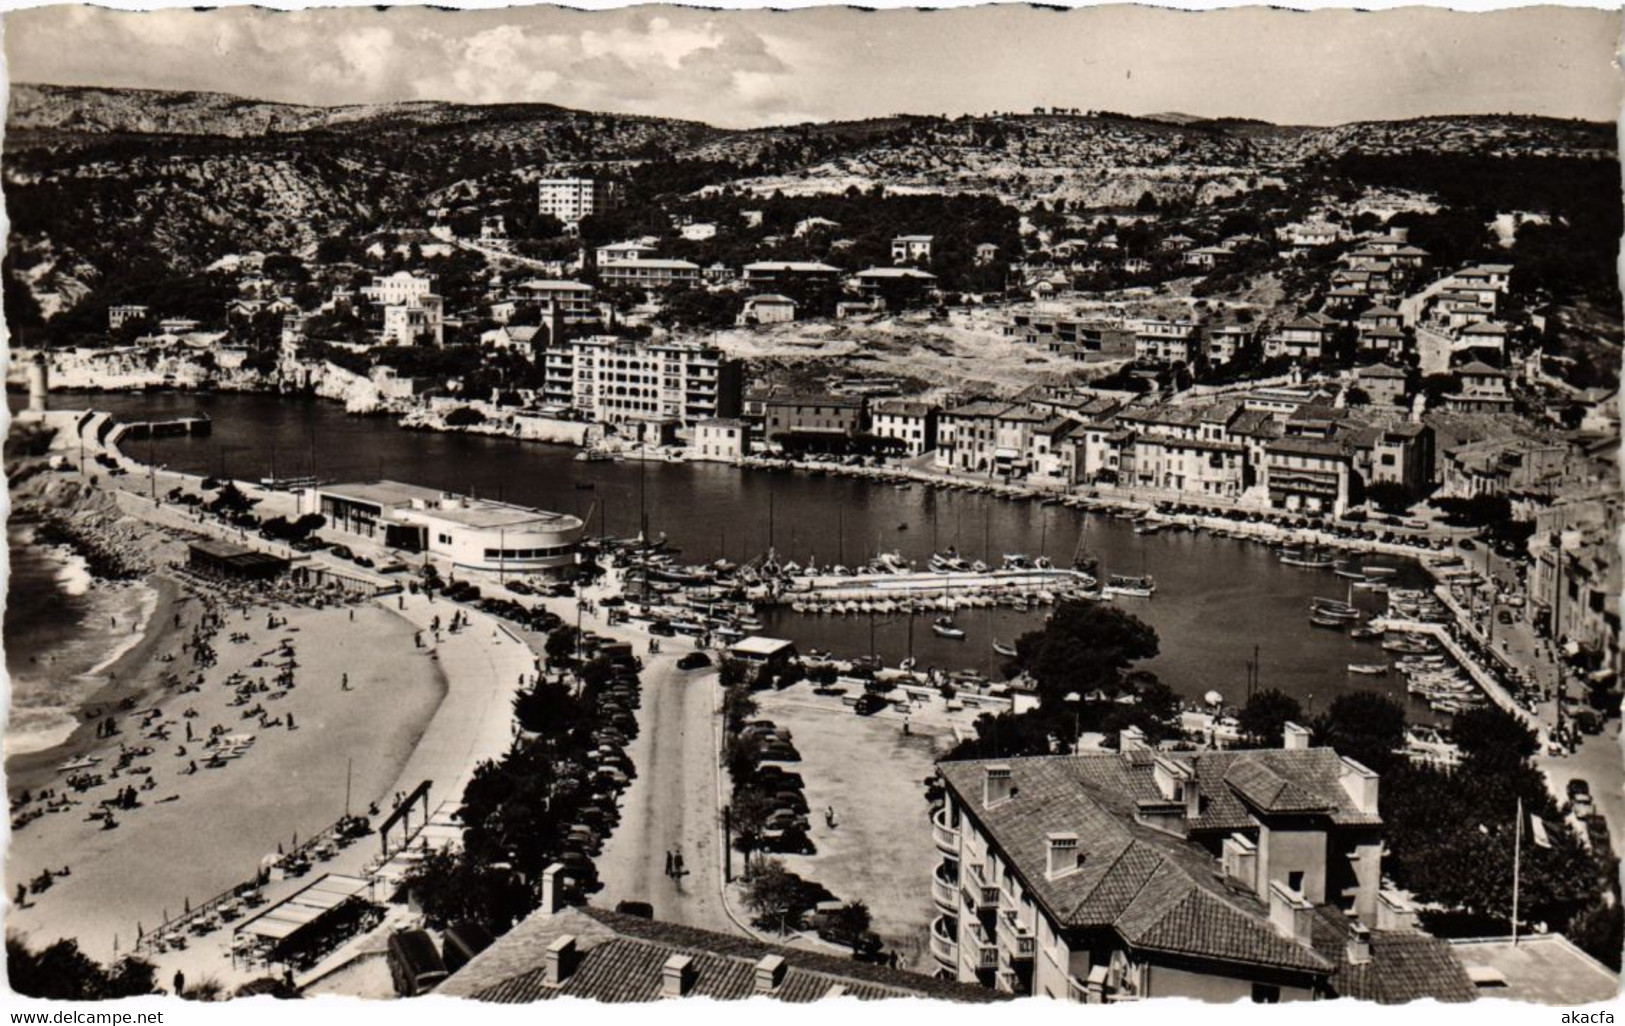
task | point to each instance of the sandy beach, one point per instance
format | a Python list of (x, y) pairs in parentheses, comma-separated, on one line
[(228, 818)]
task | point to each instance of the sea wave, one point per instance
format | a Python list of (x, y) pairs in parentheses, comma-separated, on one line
[(63, 633)]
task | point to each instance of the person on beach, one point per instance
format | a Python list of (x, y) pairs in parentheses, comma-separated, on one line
[(677, 865), (668, 864)]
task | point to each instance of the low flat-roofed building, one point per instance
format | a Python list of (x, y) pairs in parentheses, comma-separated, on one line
[(1545, 968), (763, 650), (475, 534), (721, 438), (649, 273), (227, 559)]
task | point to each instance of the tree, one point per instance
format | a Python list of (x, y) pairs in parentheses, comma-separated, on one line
[(1492, 741), (1366, 726), (1084, 646), (62, 971), (776, 896), (1265, 716), (451, 887), (1389, 496), (737, 705), (561, 645), (748, 814)]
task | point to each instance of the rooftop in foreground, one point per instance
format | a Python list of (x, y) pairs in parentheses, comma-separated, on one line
[(1546, 968), (619, 958)]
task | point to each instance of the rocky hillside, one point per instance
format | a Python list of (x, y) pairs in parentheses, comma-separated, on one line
[(56, 111), (1105, 159), (98, 179)]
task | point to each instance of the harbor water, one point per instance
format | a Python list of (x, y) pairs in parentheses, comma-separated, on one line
[(1217, 598)]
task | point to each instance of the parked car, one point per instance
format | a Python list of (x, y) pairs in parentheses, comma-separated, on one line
[(694, 661), (869, 704), (778, 778), (1577, 787), (784, 819), (788, 842)]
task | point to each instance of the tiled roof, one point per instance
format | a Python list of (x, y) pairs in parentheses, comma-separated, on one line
[(1158, 891), (1403, 966), (1269, 791), (619, 959)]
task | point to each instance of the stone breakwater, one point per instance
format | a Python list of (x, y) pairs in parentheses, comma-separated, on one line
[(89, 524)]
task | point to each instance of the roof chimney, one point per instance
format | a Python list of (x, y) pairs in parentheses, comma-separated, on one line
[(1290, 913), (1295, 737), (997, 785), (1361, 786), (1360, 945), (1239, 856), (676, 976), (1131, 739), (769, 973), (561, 960), (552, 889), (1063, 854)]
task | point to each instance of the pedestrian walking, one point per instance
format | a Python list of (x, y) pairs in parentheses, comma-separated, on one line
[(180, 983), (677, 865), (668, 863)]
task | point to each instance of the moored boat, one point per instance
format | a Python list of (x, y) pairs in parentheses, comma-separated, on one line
[(1129, 587)]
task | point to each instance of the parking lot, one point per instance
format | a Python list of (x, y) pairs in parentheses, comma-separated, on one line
[(879, 850)]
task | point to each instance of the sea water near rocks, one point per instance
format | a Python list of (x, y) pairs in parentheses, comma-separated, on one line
[(63, 631)]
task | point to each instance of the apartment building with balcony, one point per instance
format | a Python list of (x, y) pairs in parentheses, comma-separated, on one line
[(1160, 341), (1188, 449), (1117, 876), (614, 380), (650, 273), (571, 199)]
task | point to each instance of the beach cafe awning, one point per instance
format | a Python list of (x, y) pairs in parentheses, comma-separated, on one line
[(310, 903)]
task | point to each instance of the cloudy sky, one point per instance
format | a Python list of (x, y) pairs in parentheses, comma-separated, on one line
[(747, 68)]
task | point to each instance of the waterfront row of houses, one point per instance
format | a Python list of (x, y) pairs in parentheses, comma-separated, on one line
[(1301, 454)]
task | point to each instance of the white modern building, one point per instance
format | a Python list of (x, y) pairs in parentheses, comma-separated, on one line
[(571, 199), (475, 534), (650, 274), (614, 380)]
